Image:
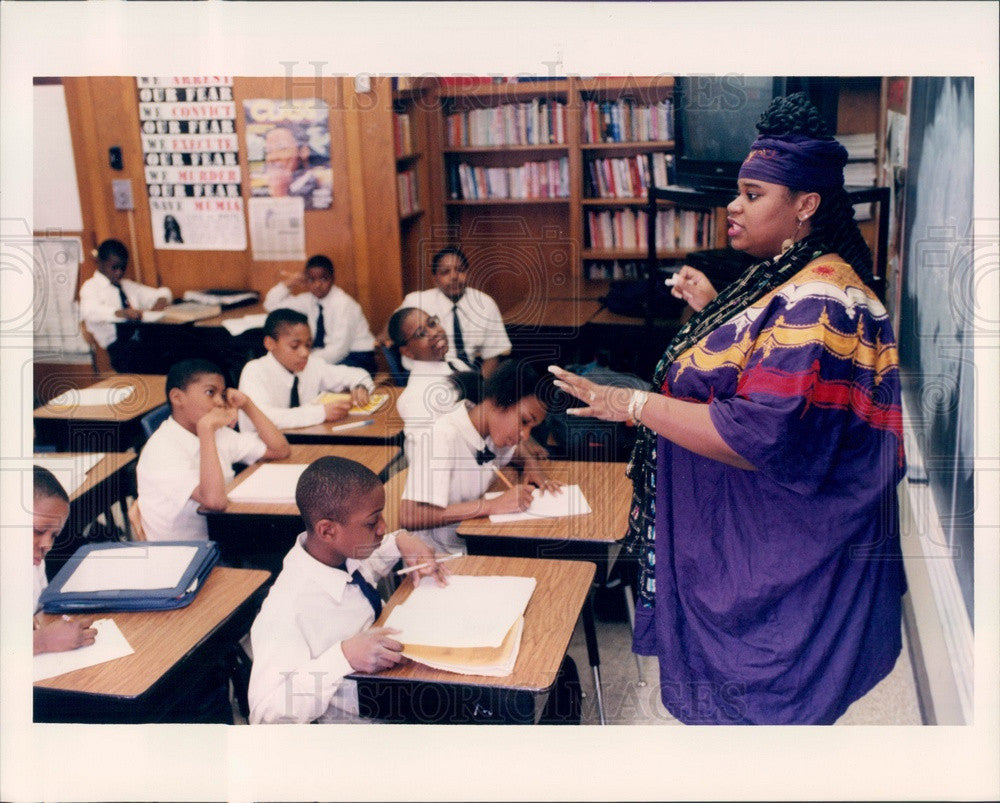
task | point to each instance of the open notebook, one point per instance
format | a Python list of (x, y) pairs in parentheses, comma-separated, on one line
[(375, 402)]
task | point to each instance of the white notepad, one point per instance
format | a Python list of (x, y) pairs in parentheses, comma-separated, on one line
[(109, 644), (468, 612), (271, 483), (70, 471), (237, 326), (92, 397), (131, 568), (571, 502)]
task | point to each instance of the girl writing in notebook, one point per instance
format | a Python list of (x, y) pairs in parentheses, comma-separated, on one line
[(451, 470)]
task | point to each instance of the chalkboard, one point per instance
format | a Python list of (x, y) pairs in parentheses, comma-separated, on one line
[(938, 307)]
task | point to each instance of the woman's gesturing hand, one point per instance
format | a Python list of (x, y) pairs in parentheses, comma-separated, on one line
[(694, 287), (606, 402)]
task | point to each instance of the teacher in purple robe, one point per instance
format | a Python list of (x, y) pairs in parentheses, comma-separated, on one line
[(769, 448)]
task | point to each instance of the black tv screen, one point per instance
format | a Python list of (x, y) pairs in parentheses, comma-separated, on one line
[(715, 121)]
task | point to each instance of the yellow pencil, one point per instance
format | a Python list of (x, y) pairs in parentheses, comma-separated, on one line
[(501, 476)]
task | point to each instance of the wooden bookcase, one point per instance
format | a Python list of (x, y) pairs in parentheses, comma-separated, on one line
[(536, 249)]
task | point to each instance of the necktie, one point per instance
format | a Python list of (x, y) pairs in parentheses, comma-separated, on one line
[(293, 399), (456, 332), (123, 297), (370, 592), (484, 455), (320, 340)]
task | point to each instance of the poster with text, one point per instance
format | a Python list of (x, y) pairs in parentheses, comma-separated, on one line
[(288, 150), (191, 155)]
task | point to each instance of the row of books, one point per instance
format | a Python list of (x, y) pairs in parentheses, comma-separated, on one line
[(549, 179), (614, 269), (409, 200), (626, 121), (627, 176), (627, 229), (536, 122), (401, 134)]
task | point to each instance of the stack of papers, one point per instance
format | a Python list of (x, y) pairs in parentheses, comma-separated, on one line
[(237, 326), (70, 471), (227, 298), (471, 626), (375, 401), (92, 397), (544, 505), (271, 483), (188, 311), (109, 644)]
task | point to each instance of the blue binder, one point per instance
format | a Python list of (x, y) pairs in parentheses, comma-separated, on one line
[(55, 600)]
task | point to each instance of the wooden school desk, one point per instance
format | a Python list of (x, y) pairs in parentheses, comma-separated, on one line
[(386, 426), (594, 537), (260, 535), (108, 482), (412, 692), (170, 647), (102, 427)]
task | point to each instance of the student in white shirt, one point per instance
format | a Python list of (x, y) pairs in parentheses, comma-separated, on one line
[(315, 626), (451, 471), (188, 461), (107, 301), (429, 392), (50, 509), (481, 338), (289, 373), (340, 331)]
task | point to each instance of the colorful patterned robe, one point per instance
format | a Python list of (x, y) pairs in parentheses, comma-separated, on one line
[(778, 590)]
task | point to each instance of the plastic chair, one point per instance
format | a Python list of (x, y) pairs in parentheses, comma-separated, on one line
[(396, 370), (151, 420)]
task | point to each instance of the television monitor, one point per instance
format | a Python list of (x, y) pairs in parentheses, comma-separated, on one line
[(715, 118)]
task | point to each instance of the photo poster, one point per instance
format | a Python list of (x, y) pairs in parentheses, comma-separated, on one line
[(288, 150), (191, 154)]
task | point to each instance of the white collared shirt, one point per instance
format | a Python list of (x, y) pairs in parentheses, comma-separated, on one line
[(344, 324), (99, 301), (269, 384), (298, 664), (443, 471), (41, 582), (429, 393), (483, 332), (169, 470)]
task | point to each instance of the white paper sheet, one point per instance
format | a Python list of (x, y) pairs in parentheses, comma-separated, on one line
[(92, 397), (131, 568), (152, 316), (270, 484), (70, 471), (237, 326), (109, 644), (571, 502), (468, 612)]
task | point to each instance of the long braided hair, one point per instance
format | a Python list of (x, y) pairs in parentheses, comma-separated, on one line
[(833, 230)]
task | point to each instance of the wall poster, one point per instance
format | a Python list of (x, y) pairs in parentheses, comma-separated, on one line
[(288, 150), (191, 153)]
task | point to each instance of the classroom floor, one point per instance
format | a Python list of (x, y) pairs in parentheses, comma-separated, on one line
[(628, 702)]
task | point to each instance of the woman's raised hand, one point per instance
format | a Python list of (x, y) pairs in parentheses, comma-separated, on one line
[(694, 287), (606, 402)]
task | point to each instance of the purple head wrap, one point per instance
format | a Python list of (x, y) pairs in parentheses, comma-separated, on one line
[(796, 161)]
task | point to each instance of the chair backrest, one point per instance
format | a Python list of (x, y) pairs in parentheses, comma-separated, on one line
[(396, 370), (152, 420), (99, 358)]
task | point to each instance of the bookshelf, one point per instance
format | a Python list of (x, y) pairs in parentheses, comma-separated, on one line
[(543, 182)]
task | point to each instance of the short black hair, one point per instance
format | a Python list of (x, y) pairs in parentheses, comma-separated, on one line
[(330, 487), (183, 373), (395, 325), (112, 248), (453, 250), (320, 261), (280, 319), (46, 485), (512, 381)]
